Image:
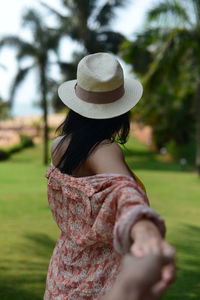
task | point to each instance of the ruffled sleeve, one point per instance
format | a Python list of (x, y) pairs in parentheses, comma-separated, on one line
[(124, 202), (132, 206)]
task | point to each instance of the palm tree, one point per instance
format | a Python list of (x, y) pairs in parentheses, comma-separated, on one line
[(44, 39), (172, 45), (4, 105), (87, 22)]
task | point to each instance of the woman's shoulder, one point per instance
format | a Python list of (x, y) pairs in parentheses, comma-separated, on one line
[(108, 157), (56, 141), (57, 152), (106, 146), (106, 151)]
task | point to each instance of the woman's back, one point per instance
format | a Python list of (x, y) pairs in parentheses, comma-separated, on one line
[(107, 157)]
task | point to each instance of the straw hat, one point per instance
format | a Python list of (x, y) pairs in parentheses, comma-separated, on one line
[(100, 91)]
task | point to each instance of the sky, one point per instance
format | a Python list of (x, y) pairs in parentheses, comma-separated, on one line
[(129, 20)]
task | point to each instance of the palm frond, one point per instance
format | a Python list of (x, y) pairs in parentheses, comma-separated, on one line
[(169, 56), (33, 20), (137, 55), (196, 10), (53, 39), (109, 41), (165, 9), (26, 50), (70, 27), (107, 12), (69, 4), (140, 52), (46, 38), (68, 69), (67, 26), (52, 10), (152, 36), (84, 8), (105, 15), (12, 41), (20, 76)]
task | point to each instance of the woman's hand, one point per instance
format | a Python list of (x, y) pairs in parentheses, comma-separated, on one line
[(148, 240)]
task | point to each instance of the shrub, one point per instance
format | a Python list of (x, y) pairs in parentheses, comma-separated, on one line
[(4, 154), (15, 148), (182, 151), (25, 141)]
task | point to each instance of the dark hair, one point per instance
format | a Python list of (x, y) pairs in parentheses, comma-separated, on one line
[(85, 134)]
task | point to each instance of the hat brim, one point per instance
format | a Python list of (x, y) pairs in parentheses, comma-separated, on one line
[(133, 93)]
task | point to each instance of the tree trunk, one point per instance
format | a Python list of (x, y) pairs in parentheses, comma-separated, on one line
[(45, 113), (198, 127)]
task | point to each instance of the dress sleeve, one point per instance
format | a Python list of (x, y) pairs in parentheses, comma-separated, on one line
[(122, 203), (132, 205)]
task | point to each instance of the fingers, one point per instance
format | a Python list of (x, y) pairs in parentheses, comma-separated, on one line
[(155, 247), (140, 249), (137, 250), (169, 273), (159, 289), (158, 260), (156, 257), (168, 276), (168, 251), (150, 276)]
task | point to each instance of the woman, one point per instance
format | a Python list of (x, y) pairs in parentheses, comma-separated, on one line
[(100, 206)]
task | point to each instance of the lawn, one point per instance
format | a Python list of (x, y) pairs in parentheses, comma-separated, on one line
[(28, 232)]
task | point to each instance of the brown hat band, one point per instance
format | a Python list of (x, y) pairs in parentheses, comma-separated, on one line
[(99, 97)]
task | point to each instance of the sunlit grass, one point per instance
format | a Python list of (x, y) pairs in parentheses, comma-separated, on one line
[(28, 232)]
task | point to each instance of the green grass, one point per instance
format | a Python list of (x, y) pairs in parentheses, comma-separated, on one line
[(28, 232)]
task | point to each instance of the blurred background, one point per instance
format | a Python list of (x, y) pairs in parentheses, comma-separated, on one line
[(41, 43)]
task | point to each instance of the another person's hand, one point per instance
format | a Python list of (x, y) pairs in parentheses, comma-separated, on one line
[(137, 277), (148, 241)]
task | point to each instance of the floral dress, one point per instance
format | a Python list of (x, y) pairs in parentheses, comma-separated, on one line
[(95, 215)]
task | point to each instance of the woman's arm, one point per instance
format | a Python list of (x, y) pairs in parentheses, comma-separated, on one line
[(146, 232), (109, 158)]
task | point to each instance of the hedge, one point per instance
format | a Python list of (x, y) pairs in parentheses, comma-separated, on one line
[(25, 142)]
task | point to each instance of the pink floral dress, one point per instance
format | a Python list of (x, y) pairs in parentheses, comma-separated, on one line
[(95, 215)]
